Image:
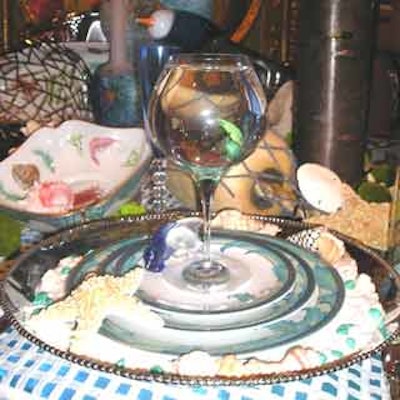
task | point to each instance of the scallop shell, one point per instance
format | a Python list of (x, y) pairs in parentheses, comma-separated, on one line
[(320, 187)]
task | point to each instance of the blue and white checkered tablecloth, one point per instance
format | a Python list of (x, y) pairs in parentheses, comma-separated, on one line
[(28, 372)]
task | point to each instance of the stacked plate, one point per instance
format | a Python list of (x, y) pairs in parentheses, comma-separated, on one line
[(287, 294)]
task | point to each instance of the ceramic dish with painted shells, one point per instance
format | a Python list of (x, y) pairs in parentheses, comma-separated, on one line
[(76, 172)]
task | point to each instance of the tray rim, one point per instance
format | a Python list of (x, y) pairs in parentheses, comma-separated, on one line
[(140, 374)]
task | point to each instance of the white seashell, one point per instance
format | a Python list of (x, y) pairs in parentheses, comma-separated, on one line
[(307, 238), (330, 248), (320, 187), (347, 268)]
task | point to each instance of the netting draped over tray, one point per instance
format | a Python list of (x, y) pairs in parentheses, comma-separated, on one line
[(43, 82)]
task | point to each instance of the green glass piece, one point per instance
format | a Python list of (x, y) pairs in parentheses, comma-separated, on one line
[(350, 284), (343, 329), (323, 358), (337, 353), (351, 343), (65, 270), (375, 313), (131, 208), (156, 370), (42, 299)]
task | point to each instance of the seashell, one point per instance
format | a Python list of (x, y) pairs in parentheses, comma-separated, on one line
[(347, 268), (26, 175), (330, 248), (321, 241), (230, 365), (307, 238), (320, 187)]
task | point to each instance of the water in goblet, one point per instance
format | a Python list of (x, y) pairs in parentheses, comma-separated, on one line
[(206, 114)]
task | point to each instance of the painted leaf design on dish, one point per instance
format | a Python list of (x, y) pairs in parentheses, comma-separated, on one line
[(10, 196), (244, 297), (97, 145), (134, 156), (76, 141), (46, 158), (132, 159)]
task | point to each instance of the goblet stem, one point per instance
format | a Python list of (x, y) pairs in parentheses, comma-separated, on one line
[(206, 273), (206, 188)]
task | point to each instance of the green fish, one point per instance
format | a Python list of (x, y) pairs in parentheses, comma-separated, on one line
[(234, 133)]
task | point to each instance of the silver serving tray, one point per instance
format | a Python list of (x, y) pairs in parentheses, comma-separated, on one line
[(30, 266)]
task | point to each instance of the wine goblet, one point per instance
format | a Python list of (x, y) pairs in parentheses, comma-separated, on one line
[(152, 58), (207, 112)]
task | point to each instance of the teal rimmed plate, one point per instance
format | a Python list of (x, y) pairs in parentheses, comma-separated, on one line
[(245, 334)]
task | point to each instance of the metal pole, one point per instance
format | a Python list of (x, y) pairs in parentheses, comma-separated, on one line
[(336, 46)]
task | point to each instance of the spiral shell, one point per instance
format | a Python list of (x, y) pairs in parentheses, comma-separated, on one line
[(320, 240)]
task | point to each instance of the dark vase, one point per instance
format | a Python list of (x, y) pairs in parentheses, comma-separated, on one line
[(334, 66)]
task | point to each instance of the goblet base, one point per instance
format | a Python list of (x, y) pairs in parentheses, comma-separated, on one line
[(193, 285), (205, 275)]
